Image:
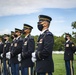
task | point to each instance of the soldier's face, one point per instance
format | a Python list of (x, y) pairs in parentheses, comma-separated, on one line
[(44, 23), (26, 31), (18, 33), (67, 37), (6, 38), (12, 36)]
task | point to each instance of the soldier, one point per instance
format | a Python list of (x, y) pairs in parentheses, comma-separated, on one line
[(1, 51), (1, 45), (11, 48), (5, 50), (17, 48), (68, 55), (43, 53), (12, 36), (27, 49), (8, 54)]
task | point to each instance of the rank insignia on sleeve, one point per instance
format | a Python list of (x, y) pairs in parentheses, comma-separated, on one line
[(67, 45)]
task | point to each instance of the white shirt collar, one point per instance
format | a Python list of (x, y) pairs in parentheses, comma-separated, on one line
[(26, 36), (14, 39), (17, 37), (6, 41), (43, 31), (67, 40)]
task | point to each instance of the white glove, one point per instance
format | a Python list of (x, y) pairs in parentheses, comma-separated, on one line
[(33, 54), (2, 55), (33, 59), (8, 55), (19, 57)]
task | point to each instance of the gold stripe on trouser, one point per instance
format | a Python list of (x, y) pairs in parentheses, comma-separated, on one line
[(0, 66), (46, 74), (29, 70), (71, 67), (19, 68), (36, 73), (7, 64)]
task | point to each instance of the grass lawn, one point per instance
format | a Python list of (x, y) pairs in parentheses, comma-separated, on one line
[(59, 65)]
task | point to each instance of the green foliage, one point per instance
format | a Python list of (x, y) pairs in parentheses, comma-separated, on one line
[(59, 65), (74, 34), (59, 43), (36, 38), (73, 25)]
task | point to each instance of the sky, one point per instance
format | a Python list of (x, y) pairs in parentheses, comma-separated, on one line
[(14, 13)]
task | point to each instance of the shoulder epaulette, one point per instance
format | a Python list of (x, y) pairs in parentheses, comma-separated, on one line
[(49, 33), (21, 39), (31, 37)]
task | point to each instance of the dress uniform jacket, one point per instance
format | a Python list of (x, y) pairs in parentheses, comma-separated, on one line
[(17, 48), (27, 49), (44, 61), (6, 48), (11, 47), (1, 48), (69, 50)]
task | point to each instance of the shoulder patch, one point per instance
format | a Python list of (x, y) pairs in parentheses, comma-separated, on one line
[(72, 44), (31, 37), (21, 39), (49, 33)]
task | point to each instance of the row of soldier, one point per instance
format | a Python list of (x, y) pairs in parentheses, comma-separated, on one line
[(14, 54), (20, 55)]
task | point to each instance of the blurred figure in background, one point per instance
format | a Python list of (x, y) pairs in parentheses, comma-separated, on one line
[(68, 54), (1, 51)]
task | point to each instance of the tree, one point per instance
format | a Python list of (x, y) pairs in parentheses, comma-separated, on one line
[(59, 43), (73, 25)]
